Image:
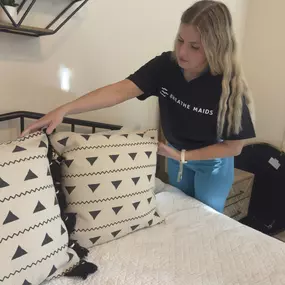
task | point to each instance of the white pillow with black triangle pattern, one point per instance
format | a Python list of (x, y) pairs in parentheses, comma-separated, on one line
[(33, 237), (109, 181)]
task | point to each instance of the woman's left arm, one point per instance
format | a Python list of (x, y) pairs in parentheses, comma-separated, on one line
[(220, 150)]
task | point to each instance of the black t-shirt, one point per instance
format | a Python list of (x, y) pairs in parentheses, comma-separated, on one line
[(188, 110)]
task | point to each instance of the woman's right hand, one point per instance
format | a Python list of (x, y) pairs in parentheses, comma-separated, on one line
[(49, 121), (98, 99)]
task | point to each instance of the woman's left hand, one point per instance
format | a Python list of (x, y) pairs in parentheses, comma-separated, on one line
[(167, 151)]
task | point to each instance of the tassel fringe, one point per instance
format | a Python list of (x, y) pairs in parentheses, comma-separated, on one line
[(81, 251), (83, 270)]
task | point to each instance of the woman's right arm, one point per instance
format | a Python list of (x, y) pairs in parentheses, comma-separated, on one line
[(101, 98)]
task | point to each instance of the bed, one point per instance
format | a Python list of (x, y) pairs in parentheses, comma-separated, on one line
[(195, 245)]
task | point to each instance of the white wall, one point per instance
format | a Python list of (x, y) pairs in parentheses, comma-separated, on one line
[(104, 43), (264, 61)]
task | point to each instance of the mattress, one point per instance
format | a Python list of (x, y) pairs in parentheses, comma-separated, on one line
[(195, 245)]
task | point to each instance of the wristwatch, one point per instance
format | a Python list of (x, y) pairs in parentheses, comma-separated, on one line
[(182, 162)]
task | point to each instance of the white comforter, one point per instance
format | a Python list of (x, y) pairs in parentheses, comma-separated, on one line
[(194, 246)]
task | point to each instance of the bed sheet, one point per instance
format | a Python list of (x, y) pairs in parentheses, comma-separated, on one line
[(195, 245)]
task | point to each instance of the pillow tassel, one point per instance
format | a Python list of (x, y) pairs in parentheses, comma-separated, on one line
[(82, 270), (68, 218), (80, 251), (69, 221)]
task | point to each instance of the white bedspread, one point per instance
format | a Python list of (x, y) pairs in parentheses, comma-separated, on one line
[(195, 246)]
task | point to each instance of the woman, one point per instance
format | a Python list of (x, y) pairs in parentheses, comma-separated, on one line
[(204, 103)]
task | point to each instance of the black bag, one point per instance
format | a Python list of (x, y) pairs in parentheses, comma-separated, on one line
[(267, 205)]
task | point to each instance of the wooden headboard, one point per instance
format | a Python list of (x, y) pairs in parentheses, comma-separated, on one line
[(22, 116)]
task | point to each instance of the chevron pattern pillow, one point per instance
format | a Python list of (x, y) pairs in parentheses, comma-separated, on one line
[(109, 181), (33, 237)]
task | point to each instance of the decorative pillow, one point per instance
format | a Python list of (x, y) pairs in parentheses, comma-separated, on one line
[(34, 242), (108, 179)]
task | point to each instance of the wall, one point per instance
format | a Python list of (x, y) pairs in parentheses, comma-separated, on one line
[(264, 61), (103, 43)]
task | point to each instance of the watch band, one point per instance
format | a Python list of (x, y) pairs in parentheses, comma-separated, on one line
[(182, 161), (183, 156)]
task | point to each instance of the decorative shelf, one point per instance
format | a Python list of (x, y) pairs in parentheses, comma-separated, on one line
[(18, 28)]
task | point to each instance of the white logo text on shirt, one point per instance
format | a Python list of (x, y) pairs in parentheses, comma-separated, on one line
[(164, 92)]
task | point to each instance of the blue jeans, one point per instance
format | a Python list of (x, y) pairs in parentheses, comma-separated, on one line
[(208, 181)]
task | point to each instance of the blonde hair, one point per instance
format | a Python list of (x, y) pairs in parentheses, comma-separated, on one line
[(214, 22)]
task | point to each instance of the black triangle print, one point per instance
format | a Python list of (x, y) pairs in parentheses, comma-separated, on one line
[(117, 209), (26, 283), (3, 183), (134, 227), (40, 207), (93, 187), (63, 231), (148, 153), (114, 157), (47, 240), (107, 136), (55, 201), (95, 239), (68, 162), (87, 137), (153, 138), (136, 180), (91, 160), (114, 234), (149, 177), (53, 270), (10, 218), (126, 136), (136, 204), (141, 135), (31, 175), (63, 141), (133, 155), (94, 214), (43, 144), (117, 183), (150, 222), (18, 149), (70, 189), (157, 215), (70, 255), (48, 172), (19, 252), (149, 200)]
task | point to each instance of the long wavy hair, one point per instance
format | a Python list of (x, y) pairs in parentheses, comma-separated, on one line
[(214, 23)]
